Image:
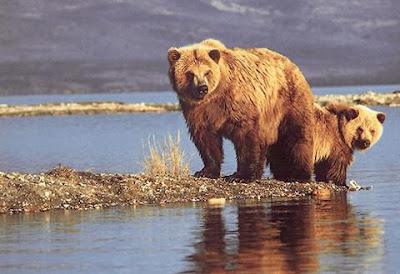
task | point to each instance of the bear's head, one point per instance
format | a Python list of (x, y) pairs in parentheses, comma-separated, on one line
[(361, 127), (194, 71)]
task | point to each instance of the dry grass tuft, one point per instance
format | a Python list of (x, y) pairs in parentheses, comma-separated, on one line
[(167, 158)]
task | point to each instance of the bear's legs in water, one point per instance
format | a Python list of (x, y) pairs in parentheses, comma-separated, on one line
[(209, 146)]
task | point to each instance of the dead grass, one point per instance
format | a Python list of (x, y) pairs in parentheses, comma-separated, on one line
[(166, 158)]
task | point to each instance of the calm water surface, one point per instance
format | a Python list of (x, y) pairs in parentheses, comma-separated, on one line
[(298, 235), (356, 232), (168, 96)]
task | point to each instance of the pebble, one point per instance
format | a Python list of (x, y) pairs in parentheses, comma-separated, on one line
[(353, 186), (203, 188), (217, 201), (47, 194)]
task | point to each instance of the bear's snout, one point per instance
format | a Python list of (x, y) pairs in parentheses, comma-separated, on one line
[(366, 143), (362, 144), (201, 91)]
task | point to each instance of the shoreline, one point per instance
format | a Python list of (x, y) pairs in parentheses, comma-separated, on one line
[(89, 108), (66, 189)]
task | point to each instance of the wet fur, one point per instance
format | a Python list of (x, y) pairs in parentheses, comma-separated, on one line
[(258, 99)]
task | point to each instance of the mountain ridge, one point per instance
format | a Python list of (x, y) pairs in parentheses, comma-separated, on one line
[(355, 42)]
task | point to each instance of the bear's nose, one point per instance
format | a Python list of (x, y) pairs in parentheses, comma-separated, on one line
[(366, 143), (203, 89)]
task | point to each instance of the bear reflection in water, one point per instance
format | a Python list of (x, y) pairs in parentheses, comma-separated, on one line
[(288, 236)]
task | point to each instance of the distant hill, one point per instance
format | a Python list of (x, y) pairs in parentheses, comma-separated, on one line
[(54, 46)]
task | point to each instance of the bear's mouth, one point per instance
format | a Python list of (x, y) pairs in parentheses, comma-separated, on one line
[(361, 144)]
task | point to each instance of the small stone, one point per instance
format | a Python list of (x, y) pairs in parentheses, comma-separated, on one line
[(47, 194), (203, 188), (353, 186), (217, 201)]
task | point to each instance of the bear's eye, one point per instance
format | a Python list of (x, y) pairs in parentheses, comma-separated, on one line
[(360, 130), (372, 132), (208, 73), (189, 75)]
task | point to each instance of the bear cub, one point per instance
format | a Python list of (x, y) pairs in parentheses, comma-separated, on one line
[(339, 130)]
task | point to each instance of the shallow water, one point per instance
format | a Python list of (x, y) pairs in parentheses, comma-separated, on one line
[(117, 143), (167, 96), (351, 233), (300, 235)]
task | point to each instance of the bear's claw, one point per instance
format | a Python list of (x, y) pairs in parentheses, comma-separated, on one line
[(240, 177), (205, 173)]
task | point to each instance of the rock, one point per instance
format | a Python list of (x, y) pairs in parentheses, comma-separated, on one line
[(203, 188), (353, 186), (216, 201), (47, 194)]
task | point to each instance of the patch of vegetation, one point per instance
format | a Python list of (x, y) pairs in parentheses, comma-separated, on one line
[(166, 158)]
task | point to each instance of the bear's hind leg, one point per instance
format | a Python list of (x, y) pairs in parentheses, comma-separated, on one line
[(302, 155), (291, 159), (321, 169)]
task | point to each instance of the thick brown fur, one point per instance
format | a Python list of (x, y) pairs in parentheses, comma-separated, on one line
[(339, 130), (256, 98)]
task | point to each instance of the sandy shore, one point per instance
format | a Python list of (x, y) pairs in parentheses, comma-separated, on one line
[(64, 188), (369, 98), (84, 108)]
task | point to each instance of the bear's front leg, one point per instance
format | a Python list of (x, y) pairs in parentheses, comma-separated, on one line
[(209, 146), (331, 170), (250, 156)]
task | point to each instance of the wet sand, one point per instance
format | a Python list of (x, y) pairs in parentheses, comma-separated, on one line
[(63, 188), (369, 98)]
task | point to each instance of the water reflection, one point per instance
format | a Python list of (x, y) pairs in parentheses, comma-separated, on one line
[(288, 236)]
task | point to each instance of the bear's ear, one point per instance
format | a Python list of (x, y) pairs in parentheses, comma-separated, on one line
[(381, 117), (173, 55), (343, 110), (215, 55), (350, 113), (337, 108)]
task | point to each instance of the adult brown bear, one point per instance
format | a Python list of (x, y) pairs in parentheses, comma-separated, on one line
[(256, 98)]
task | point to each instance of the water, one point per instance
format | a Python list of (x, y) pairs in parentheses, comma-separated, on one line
[(355, 232), (134, 97), (298, 235), (168, 96)]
